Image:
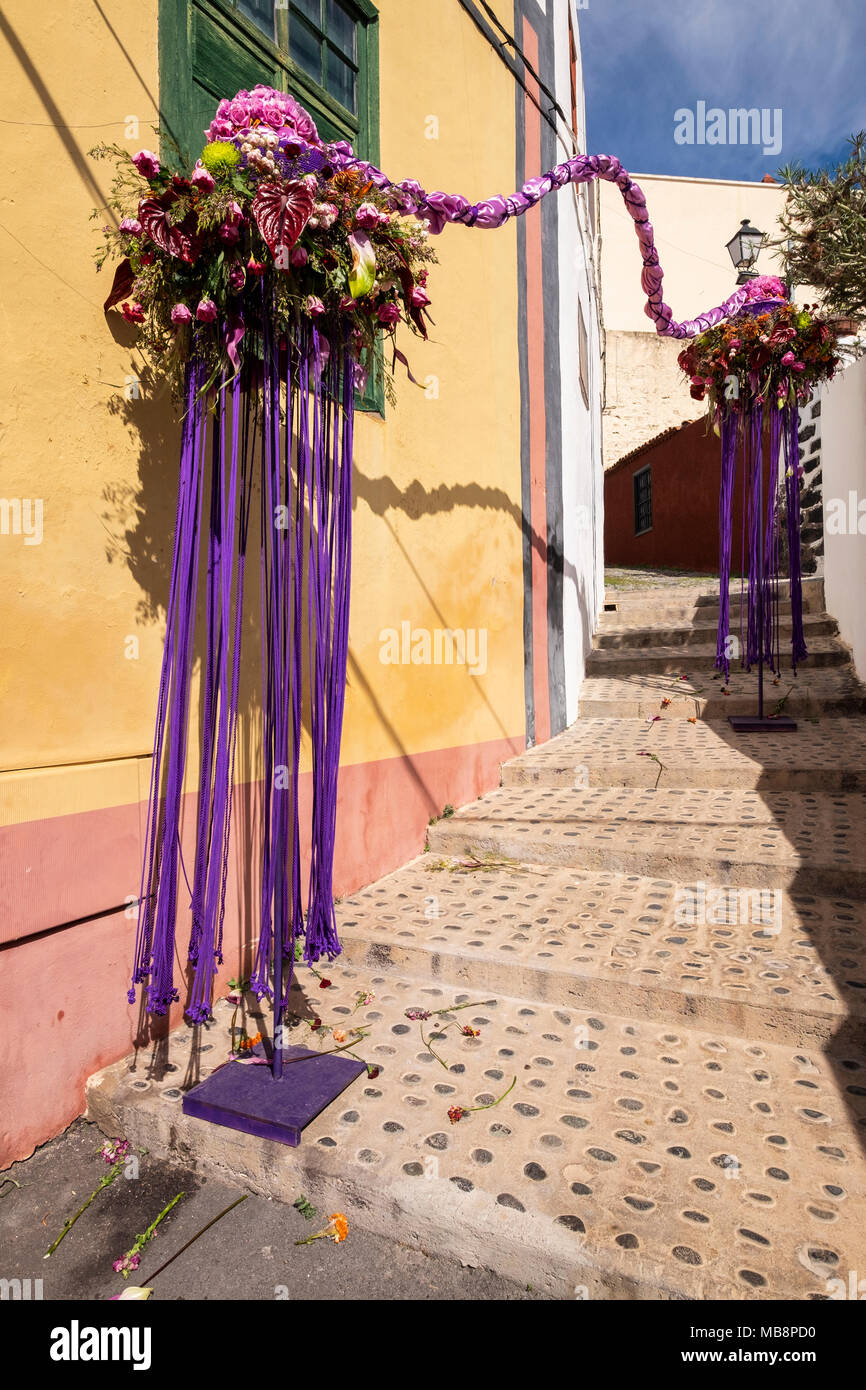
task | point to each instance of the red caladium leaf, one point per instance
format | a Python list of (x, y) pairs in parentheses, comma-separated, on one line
[(154, 219), (282, 211), (122, 285)]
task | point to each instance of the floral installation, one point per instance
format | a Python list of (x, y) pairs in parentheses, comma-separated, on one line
[(272, 220), (772, 353)]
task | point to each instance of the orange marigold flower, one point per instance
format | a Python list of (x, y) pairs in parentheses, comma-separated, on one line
[(339, 1227)]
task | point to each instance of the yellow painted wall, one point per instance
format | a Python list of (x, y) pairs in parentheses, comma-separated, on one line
[(437, 522)]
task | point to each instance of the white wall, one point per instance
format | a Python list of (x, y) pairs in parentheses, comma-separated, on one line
[(843, 450), (582, 480)]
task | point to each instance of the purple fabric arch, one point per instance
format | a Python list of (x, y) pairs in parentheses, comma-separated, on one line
[(438, 209)]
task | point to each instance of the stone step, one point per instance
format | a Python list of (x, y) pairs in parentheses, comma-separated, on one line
[(700, 660), (809, 695), (610, 753), (786, 840), (703, 595), (782, 967), (695, 634), (631, 1160)]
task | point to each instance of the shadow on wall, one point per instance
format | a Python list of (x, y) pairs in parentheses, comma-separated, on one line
[(140, 521)]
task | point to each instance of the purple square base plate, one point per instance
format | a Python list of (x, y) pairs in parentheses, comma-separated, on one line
[(248, 1098)]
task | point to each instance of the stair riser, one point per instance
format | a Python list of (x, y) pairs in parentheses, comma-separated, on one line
[(720, 707), (604, 855), (416, 1213), (612, 638), (565, 989), (641, 614), (688, 775), (633, 663)]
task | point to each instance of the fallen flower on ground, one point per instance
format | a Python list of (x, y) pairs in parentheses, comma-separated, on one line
[(459, 1112), (113, 1150), (133, 1291), (469, 1032), (131, 1259), (337, 1230), (104, 1182)]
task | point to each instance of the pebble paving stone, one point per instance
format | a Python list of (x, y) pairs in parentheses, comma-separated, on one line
[(688, 1114)]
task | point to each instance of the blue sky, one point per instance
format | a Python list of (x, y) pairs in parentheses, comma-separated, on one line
[(646, 59)]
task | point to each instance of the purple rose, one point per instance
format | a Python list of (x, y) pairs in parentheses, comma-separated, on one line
[(299, 257), (146, 163), (788, 359), (302, 121), (131, 225), (272, 114), (367, 216), (420, 297), (181, 314), (238, 113), (206, 311), (314, 306), (389, 314)]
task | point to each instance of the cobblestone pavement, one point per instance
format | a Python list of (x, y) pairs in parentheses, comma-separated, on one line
[(644, 987)]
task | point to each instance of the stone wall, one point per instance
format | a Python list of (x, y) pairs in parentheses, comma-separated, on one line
[(811, 489), (645, 392)]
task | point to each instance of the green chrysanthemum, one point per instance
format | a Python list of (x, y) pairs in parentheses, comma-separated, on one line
[(220, 157)]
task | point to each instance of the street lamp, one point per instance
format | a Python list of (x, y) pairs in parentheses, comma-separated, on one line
[(743, 250)]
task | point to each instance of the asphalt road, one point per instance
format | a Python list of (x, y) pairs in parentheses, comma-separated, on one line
[(250, 1254)]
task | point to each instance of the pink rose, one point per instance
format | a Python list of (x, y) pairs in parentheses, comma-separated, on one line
[(326, 214), (238, 113), (206, 311), (272, 114), (146, 163), (299, 257), (301, 120), (389, 314), (788, 359), (314, 306), (367, 216), (181, 314), (420, 297), (798, 366), (131, 225), (202, 179), (133, 313)]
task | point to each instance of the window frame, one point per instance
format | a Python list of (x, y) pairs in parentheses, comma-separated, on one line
[(640, 473)]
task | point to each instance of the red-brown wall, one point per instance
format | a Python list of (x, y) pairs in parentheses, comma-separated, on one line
[(686, 470)]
